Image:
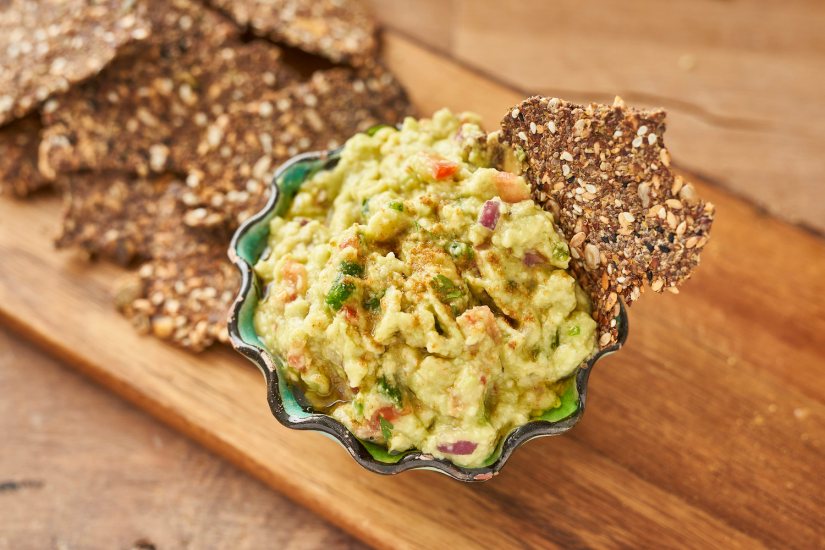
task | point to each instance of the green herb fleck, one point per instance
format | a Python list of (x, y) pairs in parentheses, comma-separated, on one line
[(460, 251), (358, 407), (389, 390), (386, 428), (519, 153), (373, 302), (574, 330), (352, 268), (365, 207), (561, 252), (371, 131), (555, 342), (338, 294), (395, 205), (446, 289)]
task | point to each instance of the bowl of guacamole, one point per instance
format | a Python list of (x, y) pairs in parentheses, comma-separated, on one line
[(410, 299)]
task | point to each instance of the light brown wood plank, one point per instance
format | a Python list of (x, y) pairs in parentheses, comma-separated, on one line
[(682, 443), (742, 81), (81, 468)]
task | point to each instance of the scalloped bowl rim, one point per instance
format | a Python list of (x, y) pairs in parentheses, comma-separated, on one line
[(331, 427)]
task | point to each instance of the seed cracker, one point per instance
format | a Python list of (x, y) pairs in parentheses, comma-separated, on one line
[(604, 172), (144, 108), (18, 157), (183, 294), (229, 172), (340, 30), (114, 215), (47, 45)]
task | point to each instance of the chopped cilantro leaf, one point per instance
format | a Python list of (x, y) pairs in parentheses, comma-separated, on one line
[(574, 330), (365, 206), (561, 252), (386, 428), (338, 294), (395, 205), (446, 289), (373, 302), (352, 268), (555, 342), (389, 390)]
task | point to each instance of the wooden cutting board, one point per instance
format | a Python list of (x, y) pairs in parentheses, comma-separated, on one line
[(707, 430)]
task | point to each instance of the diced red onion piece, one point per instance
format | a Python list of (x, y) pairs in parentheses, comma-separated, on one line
[(489, 215), (458, 448), (531, 257)]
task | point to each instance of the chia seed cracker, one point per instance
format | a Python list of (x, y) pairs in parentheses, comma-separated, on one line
[(340, 30), (18, 157), (48, 45), (229, 171), (140, 115), (114, 215), (184, 292), (604, 173)]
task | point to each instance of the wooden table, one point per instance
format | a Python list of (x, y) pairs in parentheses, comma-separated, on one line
[(707, 430), (742, 81), (82, 469)]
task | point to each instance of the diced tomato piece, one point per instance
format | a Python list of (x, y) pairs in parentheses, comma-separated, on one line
[(294, 281), (511, 188), (480, 317), (387, 413), (295, 359), (350, 242), (350, 313), (443, 169)]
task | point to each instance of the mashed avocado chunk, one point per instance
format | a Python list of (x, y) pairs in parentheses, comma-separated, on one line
[(419, 295)]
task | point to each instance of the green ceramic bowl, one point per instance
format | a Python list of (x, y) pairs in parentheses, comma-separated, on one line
[(287, 403)]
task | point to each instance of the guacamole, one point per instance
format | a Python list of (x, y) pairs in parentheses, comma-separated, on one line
[(419, 295)]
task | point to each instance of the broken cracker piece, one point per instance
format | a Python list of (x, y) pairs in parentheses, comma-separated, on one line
[(604, 172), (47, 45), (18, 157), (228, 177), (184, 291), (184, 299), (340, 30), (148, 107), (114, 215)]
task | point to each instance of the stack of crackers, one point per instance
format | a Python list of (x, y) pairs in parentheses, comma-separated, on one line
[(163, 122)]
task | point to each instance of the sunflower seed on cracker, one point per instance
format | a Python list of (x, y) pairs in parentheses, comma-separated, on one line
[(47, 45), (604, 171), (151, 104), (340, 30), (230, 169), (18, 157), (114, 215)]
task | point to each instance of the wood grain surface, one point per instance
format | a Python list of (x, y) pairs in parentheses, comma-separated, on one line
[(742, 81), (81, 468), (707, 430)]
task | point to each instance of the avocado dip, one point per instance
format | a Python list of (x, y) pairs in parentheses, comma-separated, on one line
[(420, 296)]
